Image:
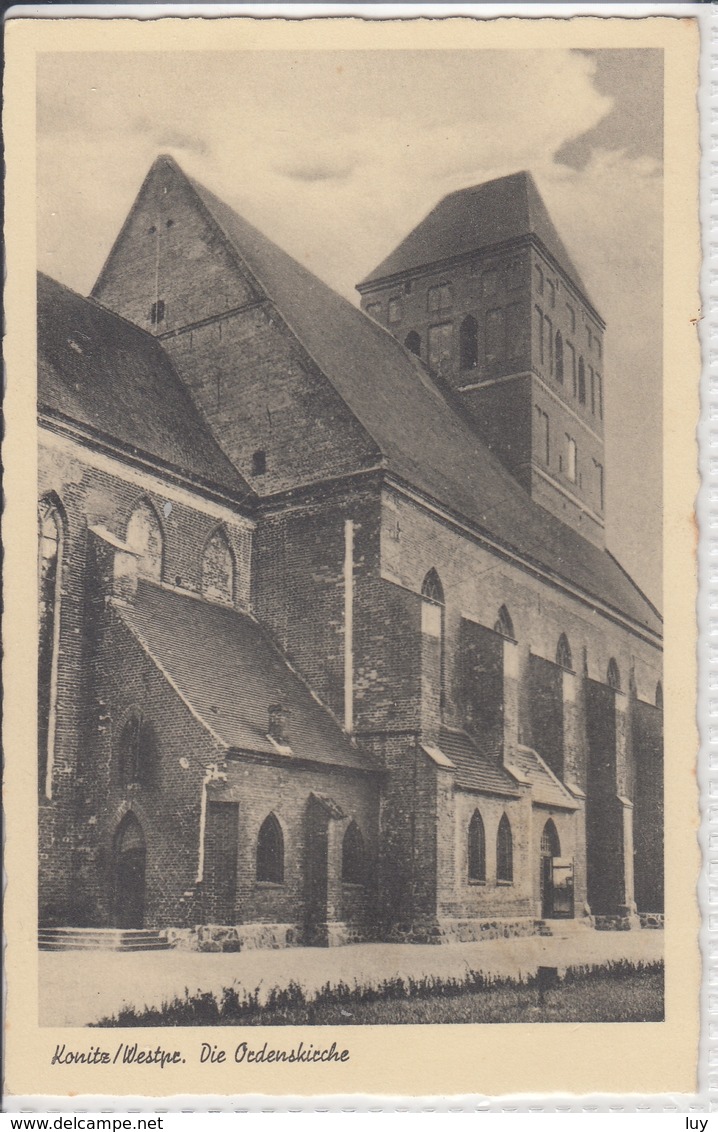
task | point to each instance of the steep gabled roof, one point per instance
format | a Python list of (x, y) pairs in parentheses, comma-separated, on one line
[(546, 788), (474, 770), (227, 670), (98, 370), (424, 441), (472, 220)]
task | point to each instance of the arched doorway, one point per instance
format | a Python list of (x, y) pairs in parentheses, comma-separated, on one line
[(550, 848), (130, 854)]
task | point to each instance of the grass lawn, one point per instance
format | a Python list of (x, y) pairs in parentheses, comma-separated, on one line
[(615, 992)]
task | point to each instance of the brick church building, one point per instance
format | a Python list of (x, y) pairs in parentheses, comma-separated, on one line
[(331, 646)]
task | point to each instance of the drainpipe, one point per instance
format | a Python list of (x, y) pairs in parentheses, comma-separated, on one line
[(213, 774), (349, 625)]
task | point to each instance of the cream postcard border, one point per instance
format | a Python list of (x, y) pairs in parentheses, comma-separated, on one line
[(646, 1058)]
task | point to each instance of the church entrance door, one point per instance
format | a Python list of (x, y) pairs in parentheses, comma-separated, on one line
[(130, 857), (550, 848)]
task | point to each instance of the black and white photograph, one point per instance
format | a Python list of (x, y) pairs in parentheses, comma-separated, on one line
[(350, 473)]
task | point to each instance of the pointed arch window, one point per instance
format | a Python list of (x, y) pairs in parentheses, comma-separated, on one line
[(477, 848), (559, 357), (469, 343), (218, 568), (563, 653), (581, 382), (504, 851), (413, 343), (432, 606), (353, 856), (49, 592), (270, 851), (504, 625), (137, 751), (613, 675), (144, 535)]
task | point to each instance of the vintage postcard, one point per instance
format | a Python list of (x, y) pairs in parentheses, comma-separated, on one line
[(350, 696)]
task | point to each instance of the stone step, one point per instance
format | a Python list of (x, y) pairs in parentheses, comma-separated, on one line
[(101, 939)]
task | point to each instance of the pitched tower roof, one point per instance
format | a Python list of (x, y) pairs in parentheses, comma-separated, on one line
[(473, 220)]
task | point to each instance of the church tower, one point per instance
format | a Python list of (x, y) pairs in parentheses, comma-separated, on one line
[(484, 291)]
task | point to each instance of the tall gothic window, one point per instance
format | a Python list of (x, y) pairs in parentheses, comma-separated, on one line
[(613, 675), (432, 618), (559, 357), (137, 751), (270, 851), (581, 381), (563, 653), (50, 567), (469, 343), (504, 851), (218, 568), (504, 625), (144, 535), (353, 856), (477, 848)]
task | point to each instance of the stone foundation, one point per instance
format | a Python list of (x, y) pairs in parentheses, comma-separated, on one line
[(449, 930), (654, 920), (267, 937), (624, 922)]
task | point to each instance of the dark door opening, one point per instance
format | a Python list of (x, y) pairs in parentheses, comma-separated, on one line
[(130, 857), (550, 849)]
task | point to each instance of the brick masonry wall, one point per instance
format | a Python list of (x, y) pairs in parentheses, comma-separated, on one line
[(91, 496), (261, 788)]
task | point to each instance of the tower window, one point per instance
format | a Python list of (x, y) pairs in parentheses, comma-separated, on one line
[(599, 395), (259, 462), (551, 293), (549, 343), (559, 357), (504, 851), (592, 386), (439, 297), (571, 458), (581, 382), (157, 312), (613, 675), (394, 310), (539, 327), (572, 368), (515, 331), (374, 310), (514, 275), (539, 280), (571, 318), (413, 343), (469, 343), (440, 346), (432, 606), (544, 437), (599, 476)]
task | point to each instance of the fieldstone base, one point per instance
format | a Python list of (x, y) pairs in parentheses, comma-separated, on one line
[(622, 922), (654, 920), (450, 930), (239, 937)]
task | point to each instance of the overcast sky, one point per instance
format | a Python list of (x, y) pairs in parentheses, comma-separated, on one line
[(337, 155)]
